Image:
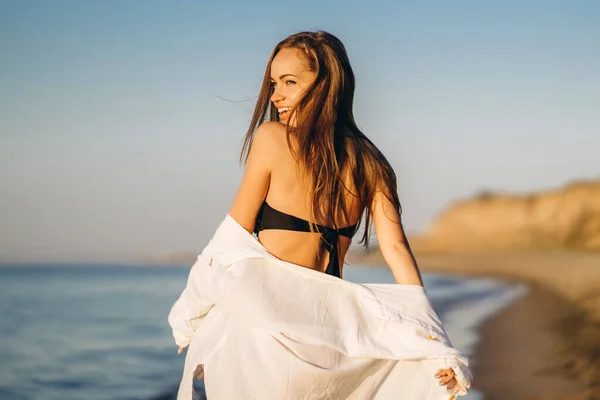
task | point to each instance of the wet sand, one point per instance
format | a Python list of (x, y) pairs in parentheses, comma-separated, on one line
[(520, 352)]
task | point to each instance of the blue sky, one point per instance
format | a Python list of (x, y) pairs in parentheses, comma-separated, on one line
[(116, 143)]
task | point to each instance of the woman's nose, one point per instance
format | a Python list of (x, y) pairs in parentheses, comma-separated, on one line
[(276, 96)]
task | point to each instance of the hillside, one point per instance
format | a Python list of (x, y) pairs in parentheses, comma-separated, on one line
[(565, 218)]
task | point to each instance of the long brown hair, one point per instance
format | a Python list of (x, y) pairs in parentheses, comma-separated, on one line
[(330, 145)]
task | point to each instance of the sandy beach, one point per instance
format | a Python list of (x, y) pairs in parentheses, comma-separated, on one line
[(546, 345)]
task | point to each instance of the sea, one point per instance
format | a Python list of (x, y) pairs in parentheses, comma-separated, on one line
[(96, 332)]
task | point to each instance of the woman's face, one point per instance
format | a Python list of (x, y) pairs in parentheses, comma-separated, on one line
[(290, 77)]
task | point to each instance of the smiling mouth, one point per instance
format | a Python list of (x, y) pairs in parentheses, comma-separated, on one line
[(284, 112)]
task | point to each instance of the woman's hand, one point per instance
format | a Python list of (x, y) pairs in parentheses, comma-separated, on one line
[(447, 377), (180, 350)]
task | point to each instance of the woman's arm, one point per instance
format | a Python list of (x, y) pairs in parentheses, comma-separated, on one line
[(393, 243), (255, 183), (397, 254)]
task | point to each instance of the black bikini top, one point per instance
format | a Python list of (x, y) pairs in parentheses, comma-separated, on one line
[(270, 218)]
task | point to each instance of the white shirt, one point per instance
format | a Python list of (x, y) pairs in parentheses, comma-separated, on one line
[(259, 327)]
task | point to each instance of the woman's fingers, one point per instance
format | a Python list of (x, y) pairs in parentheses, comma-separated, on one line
[(452, 385), (446, 376)]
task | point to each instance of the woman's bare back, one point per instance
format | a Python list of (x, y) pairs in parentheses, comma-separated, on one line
[(288, 193)]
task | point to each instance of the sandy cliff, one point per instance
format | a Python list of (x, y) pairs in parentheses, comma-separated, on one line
[(565, 218)]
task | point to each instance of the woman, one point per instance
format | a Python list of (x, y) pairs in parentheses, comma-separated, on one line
[(310, 176)]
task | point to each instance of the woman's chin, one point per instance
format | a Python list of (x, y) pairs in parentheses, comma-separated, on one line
[(288, 122)]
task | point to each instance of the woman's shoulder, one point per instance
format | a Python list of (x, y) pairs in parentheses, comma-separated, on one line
[(270, 135), (271, 128)]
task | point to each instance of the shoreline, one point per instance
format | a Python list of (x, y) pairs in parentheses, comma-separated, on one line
[(541, 345)]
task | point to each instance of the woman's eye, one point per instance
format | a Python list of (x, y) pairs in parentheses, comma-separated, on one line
[(290, 82), (273, 84)]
